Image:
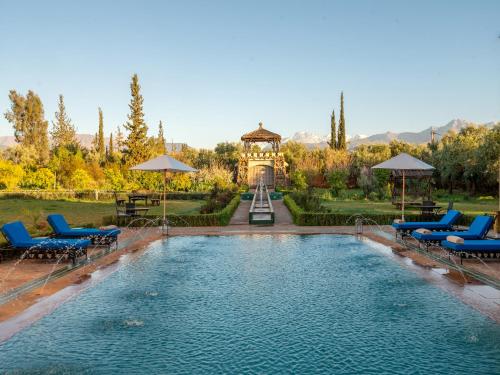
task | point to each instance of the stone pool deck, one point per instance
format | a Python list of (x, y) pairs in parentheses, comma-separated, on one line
[(16, 275)]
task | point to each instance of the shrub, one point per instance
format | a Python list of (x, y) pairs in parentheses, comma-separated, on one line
[(308, 201), (81, 180), (366, 181), (337, 180), (217, 201), (302, 217), (42, 178), (10, 175)]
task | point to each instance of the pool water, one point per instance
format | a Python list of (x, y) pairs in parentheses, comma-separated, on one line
[(259, 304)]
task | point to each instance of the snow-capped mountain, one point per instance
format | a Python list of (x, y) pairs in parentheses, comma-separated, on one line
[(307, 137), (312, 140)]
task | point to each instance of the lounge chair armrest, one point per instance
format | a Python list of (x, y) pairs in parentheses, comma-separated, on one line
[(423, 231), (455, 239)]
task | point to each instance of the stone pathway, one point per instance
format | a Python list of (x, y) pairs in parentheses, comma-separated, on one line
[(281, 213), (240, 216)]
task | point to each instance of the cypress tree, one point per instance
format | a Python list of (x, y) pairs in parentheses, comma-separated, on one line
[(111, 148), (137, 139), (63, 132), (162, 146), (341, 142), (26, 115), (100, 148), (333, 132), (119, 139)]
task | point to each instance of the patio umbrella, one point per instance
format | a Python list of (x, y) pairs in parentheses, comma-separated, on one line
[(404, 163), (163, 163)]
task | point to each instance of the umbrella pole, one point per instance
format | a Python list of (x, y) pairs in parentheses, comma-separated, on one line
[(164, 203), (403, 199)]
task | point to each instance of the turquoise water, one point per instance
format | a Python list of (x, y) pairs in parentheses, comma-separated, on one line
[(262, 305)]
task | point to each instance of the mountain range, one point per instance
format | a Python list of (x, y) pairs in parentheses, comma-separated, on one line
[(312, 140), (85, 141)]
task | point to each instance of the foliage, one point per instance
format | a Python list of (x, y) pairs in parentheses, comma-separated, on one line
[(42, 178), (10, 175), (227, 154), (469, 158), (136, 150), (333, 132), (63, 132), (298, 180), (161, 146), (180, 182), (366, 181), (337, 180), (341, 137), (30, 127), (314, 218), (114, 179), (209, 177), (99, 143), (308, 202), (81, 180), (218, 199)]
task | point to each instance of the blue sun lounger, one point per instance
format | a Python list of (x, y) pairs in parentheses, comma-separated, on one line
[(446, 223), (19, 239), (477, 248), (97, 236), (477, 230)]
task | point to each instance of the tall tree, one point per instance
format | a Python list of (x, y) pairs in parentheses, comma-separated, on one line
[(137, 138), (162, 145), (333, 132), (111, 147), (63, 132), (100, 148), (26, 115), (119, 139), (341, 142)]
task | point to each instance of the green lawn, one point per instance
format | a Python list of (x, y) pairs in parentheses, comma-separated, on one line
[(471, 207), (78, 213)]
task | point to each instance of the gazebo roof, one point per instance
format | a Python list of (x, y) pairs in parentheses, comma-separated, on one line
[(261, 135)]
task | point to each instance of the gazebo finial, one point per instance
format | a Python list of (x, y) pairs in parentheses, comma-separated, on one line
[(261, 125)]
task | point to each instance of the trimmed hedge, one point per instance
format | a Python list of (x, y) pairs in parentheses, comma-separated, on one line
[(94, 195), (300, 217), (220, 218)]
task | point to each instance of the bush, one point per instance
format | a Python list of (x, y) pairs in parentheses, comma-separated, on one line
[(337, 180), (298, 179), (302, 217), (42, 178), (217, 201), (308, 201), (10, 175)]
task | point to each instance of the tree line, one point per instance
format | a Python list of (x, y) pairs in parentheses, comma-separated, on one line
[(60, 162), (465, 160)]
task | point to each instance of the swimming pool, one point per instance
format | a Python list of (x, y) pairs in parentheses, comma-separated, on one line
[(259, 304)]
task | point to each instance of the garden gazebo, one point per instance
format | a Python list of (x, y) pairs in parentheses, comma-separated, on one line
[(269, 166)]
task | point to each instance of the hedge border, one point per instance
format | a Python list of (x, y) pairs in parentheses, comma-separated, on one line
[(220, 218), (300, 217), (94, 195)]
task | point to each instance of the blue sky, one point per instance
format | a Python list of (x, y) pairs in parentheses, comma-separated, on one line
[(212, 70)]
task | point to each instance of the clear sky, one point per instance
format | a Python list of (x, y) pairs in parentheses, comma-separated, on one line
[(212, 70)]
